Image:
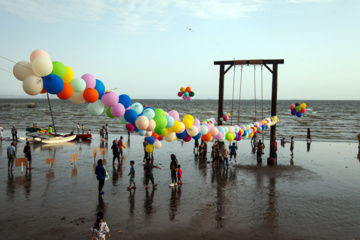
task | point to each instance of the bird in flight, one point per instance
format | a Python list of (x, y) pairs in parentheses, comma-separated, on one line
[(190, 29)]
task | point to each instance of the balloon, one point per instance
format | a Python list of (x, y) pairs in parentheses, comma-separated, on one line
[(100, 87), (182, 89), (110, 99), (157, 144), (142, 122), (108, 112), (96, 108), (186, 94), (206, 137), (170, 121), (122, 120), (293, 112), (203, 130), (69, 75), (78, 85), (187, 123), (138, 107), (303, 105), (228, 136), (53, 84), (181, 135), (125, 100), (188, 89), (191, 94), (180, 94), (221, 129), (170, 137), (149, 112), (143, 133), (117, 110), (292, 106), (66, 93), (159, 112), (184, 97), (298, 114), (58, 69), (298, 108), (42, 66), (161, 122), (151, 126), (174, 114), (131, 115), (149, 148), (160, 130), (89, 80), (77, 98), (189, 117), (130, 127), (187, 138), (155, 135), (23, 70), (192, 131), (90, 95), (176, 127), (303, 110), (189, 99), (214, 131), (150, 140), (33, 85), (198, 136), (37, 53)]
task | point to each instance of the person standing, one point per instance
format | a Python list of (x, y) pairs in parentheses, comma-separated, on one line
[(50, 129), (107, 131), (196, 146), (82, 128), (115, 149), (292, 145), (1, 132), (179, 175), (260, 147), (224, 153), (11, 156), (148, 173), (27, 152), (100, 228), (103, 132), (146, 154), (100, 175), (121, 146), (215, 153), (233, 149), (14, 133), (173, 169), (308, 136), (78, 128), (132, 174)]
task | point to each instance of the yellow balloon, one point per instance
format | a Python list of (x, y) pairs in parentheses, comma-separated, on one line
[(251, 135), (228, 114), (149, 148), (241, 131), (187, 123), (164, 133), (190, 118), (303, 105), (182, 89), (176, 127), (107, 90), (69, 76)]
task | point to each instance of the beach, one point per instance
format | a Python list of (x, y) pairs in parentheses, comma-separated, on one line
[(312, 195)]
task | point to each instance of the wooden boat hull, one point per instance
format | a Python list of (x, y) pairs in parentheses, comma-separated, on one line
[(80, 136), (58, 139)]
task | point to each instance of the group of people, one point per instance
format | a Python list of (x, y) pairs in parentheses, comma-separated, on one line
[(104, 132), (220, 152), (117, 149), (11, 154)]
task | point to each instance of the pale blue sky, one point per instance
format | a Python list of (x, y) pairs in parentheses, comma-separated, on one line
[(143, 47)]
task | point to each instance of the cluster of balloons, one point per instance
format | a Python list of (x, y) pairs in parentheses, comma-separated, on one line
[(298, 109), (41, 75), (186, 93), (225, 117)]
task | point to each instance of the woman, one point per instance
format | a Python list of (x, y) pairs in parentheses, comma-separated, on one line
[(173, 169), (224, 153), (100, 175)]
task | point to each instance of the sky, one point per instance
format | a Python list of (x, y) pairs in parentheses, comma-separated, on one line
[(149, 49)]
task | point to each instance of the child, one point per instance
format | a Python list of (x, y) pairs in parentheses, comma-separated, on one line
[(233, 149), (148, 172), (132, 174), (100, 228), (179, 174), (292, 145)]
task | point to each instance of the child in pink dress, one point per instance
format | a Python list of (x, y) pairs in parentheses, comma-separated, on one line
[(179, 174)]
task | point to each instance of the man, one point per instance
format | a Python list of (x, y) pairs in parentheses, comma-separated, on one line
[(292, 145), (11, 156), (78, 128), (107, 131), (146, 154), (14, 133), (27, 152), (121, 146), (260, 146), (1, 132)]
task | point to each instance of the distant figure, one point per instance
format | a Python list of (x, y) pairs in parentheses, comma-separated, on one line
[(27, 152), (224, 153), (196, 146), (100, 228), (14, 133), (1, 132), (254, 143), (88, 132), (233, 149), (201, 151), (260, 146), (144, 145), (215, 153), (11, 156), (283, 142), (36, 125), (82, 129), (179, 175), (115, 149), (308, 146), (107, 131), (121, 146), (148, 173), (359, 142), (308, 136), (100, 175), (78, 128), (292, 145), (132, 174), (173, 169), (205, 149), (128, 135), (50, 129)]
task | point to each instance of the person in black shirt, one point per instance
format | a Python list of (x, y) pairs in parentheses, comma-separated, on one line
[(27, 152), (148, 172)]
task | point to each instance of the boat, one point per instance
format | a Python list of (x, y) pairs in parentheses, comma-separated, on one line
[(58, 139), (32, 129), (80, 136)]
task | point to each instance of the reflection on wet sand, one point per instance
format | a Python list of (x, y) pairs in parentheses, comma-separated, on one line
[(10, 185), (148, 202), (117, 171), (174, 201), (74, 172), (132, 202), (101, 206), (308, 144)]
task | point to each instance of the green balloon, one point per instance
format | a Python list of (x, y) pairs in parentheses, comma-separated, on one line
[(160, 121), (58, 69), (159, 130), (298, 108), (109, 113), (228, 136), (159, 112), (192, 94)]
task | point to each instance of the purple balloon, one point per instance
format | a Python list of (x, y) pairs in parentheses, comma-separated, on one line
[(293, 112), (118, 110), (189, 99), (110, 98), (89, 80)]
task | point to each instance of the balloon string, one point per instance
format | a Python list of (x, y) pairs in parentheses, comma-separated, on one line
[(6, 70), (15, 62)]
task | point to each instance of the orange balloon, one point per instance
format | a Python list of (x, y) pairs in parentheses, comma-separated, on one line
[(155, 135), (206, 137), (66, 93), (188, 89), (90, 95)]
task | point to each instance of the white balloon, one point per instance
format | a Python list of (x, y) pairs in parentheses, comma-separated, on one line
[(170, 136), (33, 85), (22, 70), (42, 66), (192, 131), (157, 144), (96, 108), (77, 98)]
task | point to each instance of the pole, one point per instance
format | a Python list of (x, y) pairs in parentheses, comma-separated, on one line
[(221, 92), (51, 112), (272, 159)]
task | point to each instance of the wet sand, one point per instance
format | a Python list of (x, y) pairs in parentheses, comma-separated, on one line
[(314, 195)]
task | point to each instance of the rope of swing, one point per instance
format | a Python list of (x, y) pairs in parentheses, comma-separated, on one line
[(241, 72), (255, 89), (262, 99), (232, 105)]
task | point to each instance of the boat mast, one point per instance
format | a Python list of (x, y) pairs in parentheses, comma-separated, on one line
[(51, 112)]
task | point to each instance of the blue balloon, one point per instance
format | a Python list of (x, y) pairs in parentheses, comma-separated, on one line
[(170, 121), (125, 100), (150, 140), (135, 128), (130, 115), (181, 135), (197, 136), (53, 84), (245, 133), (100, 88), (142, 132), (148, 112), (298, 114)]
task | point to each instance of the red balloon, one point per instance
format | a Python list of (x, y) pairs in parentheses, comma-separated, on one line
[(303, 110)]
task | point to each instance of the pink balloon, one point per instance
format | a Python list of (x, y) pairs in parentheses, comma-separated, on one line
[(189, 99), (174, 114), (187, 138), (180, 94), (243, 127), (292, 106), (160, 138), (117, 110), (129, 127), (110, 98), (183, 97), (38, 53), (219, 136), (89, 80)]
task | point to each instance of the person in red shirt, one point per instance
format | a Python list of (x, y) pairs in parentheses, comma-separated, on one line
[(121, 147)]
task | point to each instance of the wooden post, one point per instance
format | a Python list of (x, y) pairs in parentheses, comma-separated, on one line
[(51, 112), (221, 92), (272, 159)]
